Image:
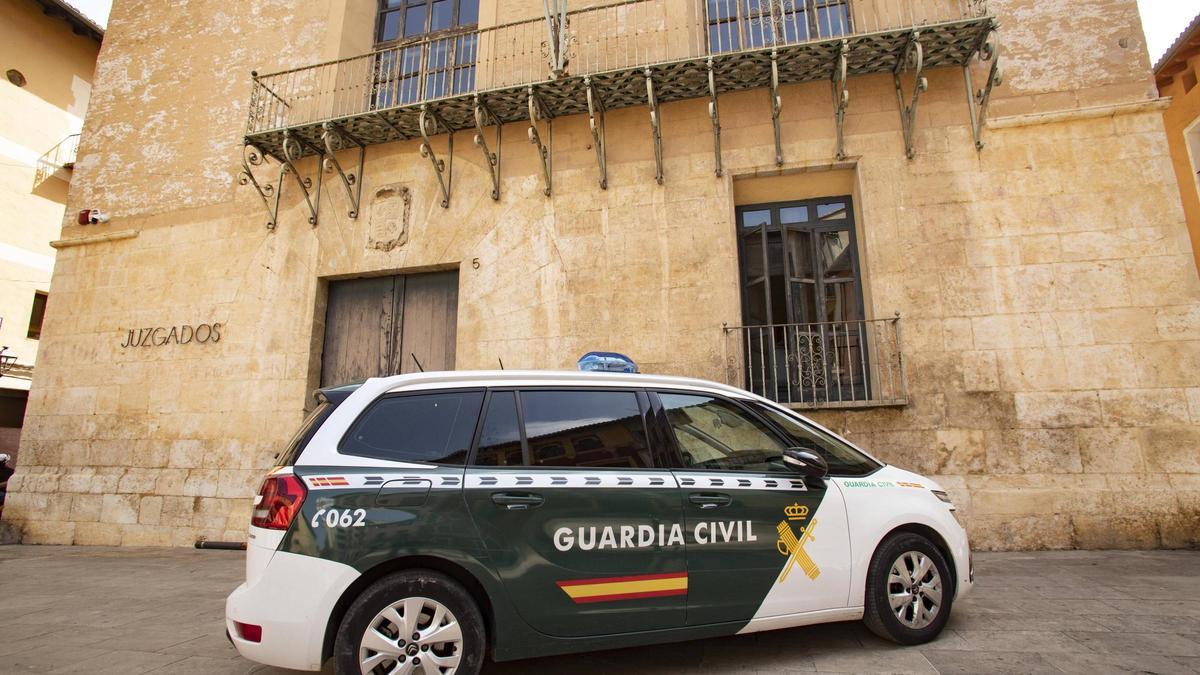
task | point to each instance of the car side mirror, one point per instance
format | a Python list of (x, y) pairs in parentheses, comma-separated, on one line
[(806, 462)]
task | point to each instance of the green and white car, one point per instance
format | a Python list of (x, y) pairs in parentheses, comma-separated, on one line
[(421, 523)]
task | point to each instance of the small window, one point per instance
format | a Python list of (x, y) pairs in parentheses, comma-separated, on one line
[(435, 428), (500, 438), (717, 435), (1189, 81), (37, 315), (601, 429), (842, 459), (584, 429)]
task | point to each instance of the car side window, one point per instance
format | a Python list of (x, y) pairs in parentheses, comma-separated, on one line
[(842, 459), (715, 434), (500, 437), (571, 428), (435, 428)]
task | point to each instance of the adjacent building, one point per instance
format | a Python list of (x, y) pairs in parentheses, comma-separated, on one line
[(1175, 75), (48, 53), (948, 229)]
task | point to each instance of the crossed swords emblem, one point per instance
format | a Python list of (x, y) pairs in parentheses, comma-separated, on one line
[(792, 546)]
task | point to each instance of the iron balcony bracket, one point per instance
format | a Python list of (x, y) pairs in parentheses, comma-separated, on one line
[(335, 139), (977, 101), (655, 127), (912, 59), (715, 115), (538, 110), (292, 149), (483, 117), (268, 192), (776, 107), (429, 122), (596, 112), (841, 97)]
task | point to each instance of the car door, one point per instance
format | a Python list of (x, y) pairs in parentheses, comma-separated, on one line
[(577, 517), (762, 541)]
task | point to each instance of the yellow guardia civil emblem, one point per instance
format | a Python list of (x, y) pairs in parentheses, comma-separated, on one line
[(792, 546)]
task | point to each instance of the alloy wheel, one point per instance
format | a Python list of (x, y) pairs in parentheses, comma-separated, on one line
[(414, 635), (914, 589)]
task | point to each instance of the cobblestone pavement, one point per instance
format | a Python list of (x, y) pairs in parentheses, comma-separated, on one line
[(105, 610)]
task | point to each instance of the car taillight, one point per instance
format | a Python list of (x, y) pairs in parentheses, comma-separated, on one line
[(278, 502), (248, 631)]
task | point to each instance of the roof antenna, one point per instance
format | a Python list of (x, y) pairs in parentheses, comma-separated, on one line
[(501, 362), (414, 357)]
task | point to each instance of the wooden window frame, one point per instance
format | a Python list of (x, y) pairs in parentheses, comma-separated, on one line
[(812, 224)]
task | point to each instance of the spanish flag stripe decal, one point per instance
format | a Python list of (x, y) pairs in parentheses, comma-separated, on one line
[(625, 588)]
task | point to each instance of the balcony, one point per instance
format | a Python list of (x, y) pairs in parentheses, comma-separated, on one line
[(631, 53), (839, 364), (59, 158)]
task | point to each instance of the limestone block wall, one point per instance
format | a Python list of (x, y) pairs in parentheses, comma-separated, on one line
[(1050, 307)]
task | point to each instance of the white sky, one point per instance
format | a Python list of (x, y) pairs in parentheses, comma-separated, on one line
[(97, 10), (1162, 19)]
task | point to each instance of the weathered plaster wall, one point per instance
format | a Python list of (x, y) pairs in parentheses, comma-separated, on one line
[(1050, 329)]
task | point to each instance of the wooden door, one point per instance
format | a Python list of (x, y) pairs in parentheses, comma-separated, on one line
[(376, 326)]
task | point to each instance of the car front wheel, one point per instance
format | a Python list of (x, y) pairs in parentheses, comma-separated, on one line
[(417, 622), (909, 590)]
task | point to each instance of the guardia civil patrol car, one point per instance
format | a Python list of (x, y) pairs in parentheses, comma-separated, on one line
[(422, 523)]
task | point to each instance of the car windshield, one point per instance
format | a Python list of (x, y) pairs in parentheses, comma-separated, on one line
[(843, 460)]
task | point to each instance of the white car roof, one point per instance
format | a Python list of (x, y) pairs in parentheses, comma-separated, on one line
[(542, 378)]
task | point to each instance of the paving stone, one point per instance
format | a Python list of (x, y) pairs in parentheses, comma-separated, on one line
[(1018, 641), (120, 662), (997, 663), (896, 660), (1091, 663), (1167, 644)]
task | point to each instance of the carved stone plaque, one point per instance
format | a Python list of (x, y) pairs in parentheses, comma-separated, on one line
[(388, 224)]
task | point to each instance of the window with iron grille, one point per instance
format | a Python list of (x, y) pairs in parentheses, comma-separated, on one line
[(427, 50), (748, 24), (802, 304)]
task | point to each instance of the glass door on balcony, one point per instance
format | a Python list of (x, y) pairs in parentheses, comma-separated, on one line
[(749, 24), (427, 50), (805, 340)]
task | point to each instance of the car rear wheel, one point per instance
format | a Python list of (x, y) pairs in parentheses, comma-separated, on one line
[(909, 590), (417, 622)]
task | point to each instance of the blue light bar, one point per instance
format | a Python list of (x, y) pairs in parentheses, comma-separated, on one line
[(607, 362)]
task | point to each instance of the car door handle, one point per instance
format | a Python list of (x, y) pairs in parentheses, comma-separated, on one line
[(710, 500), (517, 501)]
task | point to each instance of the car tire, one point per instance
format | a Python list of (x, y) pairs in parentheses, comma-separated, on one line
[(410, 602), (908, 570)]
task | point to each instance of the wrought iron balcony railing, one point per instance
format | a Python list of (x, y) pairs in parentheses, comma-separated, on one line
[(629, 53), (842, 364), (61, 156)]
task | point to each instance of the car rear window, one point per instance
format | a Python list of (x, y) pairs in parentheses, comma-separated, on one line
[(304, 434), (435, 428)]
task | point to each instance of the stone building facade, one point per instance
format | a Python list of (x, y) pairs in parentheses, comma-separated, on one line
[(1047, 364)]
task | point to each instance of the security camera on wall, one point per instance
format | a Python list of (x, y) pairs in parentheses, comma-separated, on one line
[(92, 217)]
